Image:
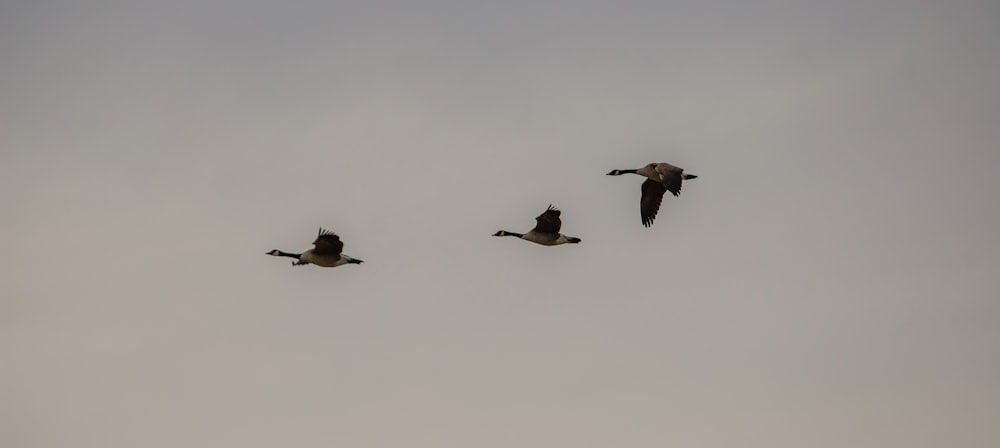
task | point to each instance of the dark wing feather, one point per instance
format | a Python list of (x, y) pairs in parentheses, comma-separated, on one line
[(327, 243), (548, 221), (672, 177), (652, 196)]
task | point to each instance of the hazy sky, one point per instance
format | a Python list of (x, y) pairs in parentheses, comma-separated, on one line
[(830, 279)]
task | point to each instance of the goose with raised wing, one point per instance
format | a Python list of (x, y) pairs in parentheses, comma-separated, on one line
[(546, 231), (660, 178), (326, 252)]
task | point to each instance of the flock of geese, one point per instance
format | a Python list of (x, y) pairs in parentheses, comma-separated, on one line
[(327, 249)]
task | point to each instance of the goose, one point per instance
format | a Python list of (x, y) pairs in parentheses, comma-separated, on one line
[(326, 253), (546, 231), (661, 178)]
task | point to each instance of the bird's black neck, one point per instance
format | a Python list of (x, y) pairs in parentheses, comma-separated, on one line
[(288, 254), (628, 171), (506, 233)]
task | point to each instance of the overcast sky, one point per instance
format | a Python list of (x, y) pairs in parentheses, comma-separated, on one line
[(829, 280)]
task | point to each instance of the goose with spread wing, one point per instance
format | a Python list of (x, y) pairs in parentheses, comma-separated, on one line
[(546, 231), (326, 252), (660, 178)]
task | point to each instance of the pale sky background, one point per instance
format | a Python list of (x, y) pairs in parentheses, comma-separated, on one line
[(830, 280)]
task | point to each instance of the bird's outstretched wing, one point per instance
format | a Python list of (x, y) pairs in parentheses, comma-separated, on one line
[(649, 204), (672, 177), (328, 243), (548, 221)]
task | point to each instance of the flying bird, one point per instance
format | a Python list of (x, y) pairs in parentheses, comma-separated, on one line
[(326, 253), (546, 231), (660, 178)]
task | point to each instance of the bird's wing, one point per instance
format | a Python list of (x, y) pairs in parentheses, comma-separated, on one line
[(672, 177), (652, 196), (327, 243), (548, 221)]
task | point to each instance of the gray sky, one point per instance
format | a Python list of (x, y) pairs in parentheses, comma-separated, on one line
[(830, 280)]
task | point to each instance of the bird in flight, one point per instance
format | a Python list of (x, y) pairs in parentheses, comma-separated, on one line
[(546, 231), (660, 178), (326, 252)]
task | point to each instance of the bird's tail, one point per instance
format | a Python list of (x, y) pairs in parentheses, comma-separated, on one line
[(690, 176)]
